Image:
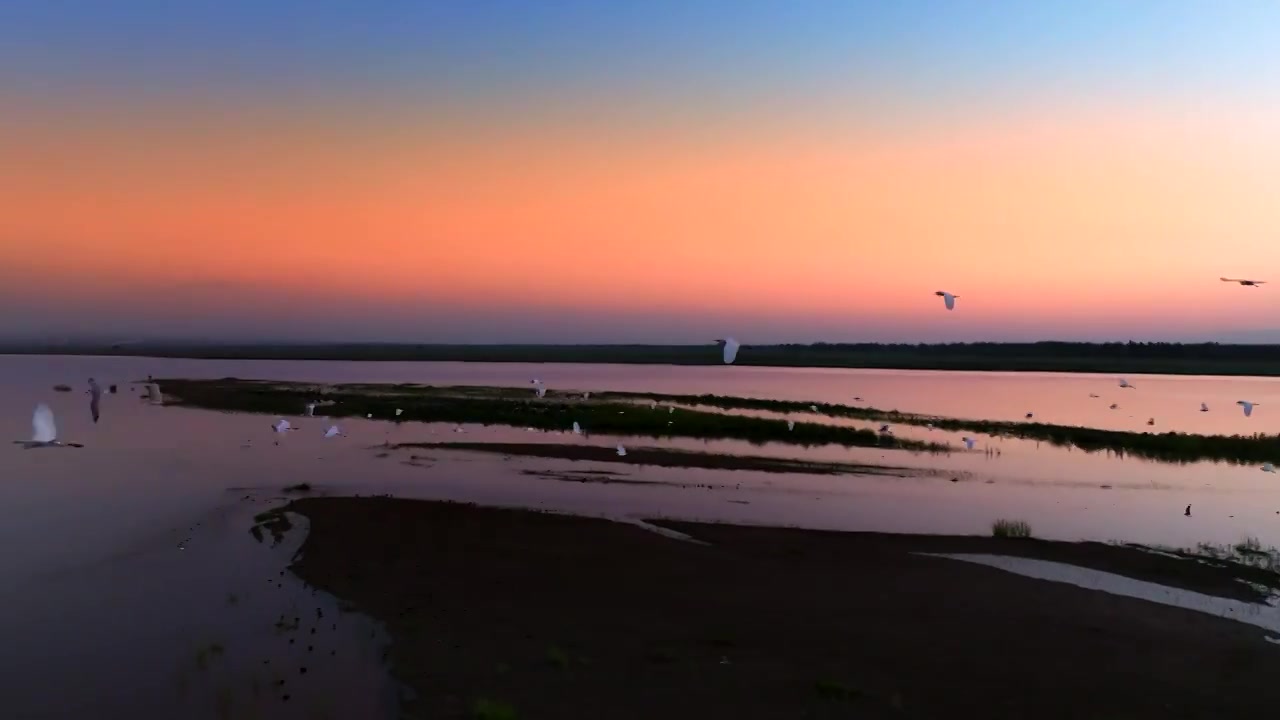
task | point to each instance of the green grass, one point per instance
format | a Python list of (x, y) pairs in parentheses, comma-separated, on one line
[(835, 690), (1010, 529), (621, 413), (557, 658), (517, 408), (487, 709)]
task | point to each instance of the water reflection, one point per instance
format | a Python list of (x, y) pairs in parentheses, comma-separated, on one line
[(97, 589)]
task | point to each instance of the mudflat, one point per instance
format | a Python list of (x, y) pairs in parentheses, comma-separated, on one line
[(499, 613)]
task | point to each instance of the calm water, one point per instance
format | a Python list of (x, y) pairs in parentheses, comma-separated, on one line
[(106, 616)]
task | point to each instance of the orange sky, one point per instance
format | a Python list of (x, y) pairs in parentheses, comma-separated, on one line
[(1053, 219)]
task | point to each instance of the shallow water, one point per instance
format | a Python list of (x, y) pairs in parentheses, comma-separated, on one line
[(89, 538)]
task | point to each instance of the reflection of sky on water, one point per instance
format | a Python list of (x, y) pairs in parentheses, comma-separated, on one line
[(92, 567)]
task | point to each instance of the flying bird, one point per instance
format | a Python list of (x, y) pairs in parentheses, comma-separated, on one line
[(540, 391), (968, 442), (1204, 407), (1245, 283), (44, 432), (1030, 415), (730, 349), (1248, 407), (1125, 384), (947, 299), (281, 426), (333, 431)]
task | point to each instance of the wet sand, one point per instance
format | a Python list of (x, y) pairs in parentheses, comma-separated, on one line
[(565, 617)]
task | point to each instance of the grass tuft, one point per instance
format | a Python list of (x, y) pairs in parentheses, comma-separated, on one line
[(486, 709), (1010, 529)]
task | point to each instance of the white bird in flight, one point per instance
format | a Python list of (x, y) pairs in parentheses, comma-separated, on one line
[(968, 442), (730, 350), (1125, 384), (622, 452), (281, 426), (1248, 407), (1204, 407), (1245, 283), (44, 432), (1268, 467), (333, 431), (947, 299), (540, 391)]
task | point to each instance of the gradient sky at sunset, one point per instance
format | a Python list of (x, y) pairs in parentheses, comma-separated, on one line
[(660, 171)]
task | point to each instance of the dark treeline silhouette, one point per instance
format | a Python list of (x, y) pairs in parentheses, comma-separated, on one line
[(1111, 357)]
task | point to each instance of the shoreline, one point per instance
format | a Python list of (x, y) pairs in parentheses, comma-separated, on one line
[(1120, 358), (559, 616)]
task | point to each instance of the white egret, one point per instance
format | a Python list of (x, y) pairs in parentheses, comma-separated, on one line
[(1248, 407), (369, 416), (968, 442), (947, 299), (730, 349), (1125, 384), (586, 396), (813, 408), (398, 412), (311, 409), (1204, 407), (282, 426), (791, 425), (540, 391), (44, 432), (622, 452), (671, 409), (333, 431), (653, 404), (154, 394), (1245, 283), (1268, 467), (577, 429)]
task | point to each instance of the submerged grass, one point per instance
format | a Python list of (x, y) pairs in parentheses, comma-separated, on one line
[(628, 413), (516, 408), (1011, 529)]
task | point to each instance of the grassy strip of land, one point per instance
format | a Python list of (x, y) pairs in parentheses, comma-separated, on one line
[(665, 457), (506, 406), (629, 413), (540, 616), (1116, 357), (1167, 447)]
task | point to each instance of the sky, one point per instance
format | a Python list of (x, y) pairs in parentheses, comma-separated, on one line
[(666, 171)]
